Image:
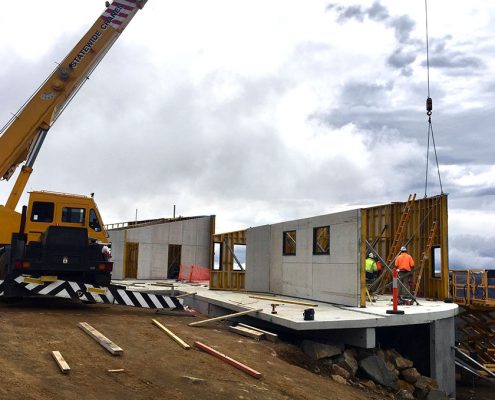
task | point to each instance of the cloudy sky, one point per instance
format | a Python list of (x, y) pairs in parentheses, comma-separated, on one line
[(264, 111)]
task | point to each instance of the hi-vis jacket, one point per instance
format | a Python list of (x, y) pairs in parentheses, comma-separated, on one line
[(371, 265), (404, 262)]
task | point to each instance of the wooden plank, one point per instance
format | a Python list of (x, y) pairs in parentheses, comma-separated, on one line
[(173, 336), (101, 339), (279, 300), (272, 337), (62, 364), (228, 316), (251, 333), (228, 360)]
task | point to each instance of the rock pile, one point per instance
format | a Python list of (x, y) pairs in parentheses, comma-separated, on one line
[(385, 372)]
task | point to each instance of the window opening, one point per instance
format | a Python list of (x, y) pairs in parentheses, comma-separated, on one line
[(289, 245), (321, 240), (436, 261)]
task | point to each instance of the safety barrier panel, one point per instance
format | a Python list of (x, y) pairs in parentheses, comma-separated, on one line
[(473, 287), (194, 274)]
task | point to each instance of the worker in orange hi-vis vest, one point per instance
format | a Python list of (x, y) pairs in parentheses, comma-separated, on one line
[(404, 263)]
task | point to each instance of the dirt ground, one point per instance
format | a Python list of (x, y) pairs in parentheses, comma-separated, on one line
[(155, 366)]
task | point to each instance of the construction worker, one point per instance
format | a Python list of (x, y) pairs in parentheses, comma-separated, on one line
[(371, 267), (404, 263)]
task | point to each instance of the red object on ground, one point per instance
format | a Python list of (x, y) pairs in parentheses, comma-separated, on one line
[(194, 273), (228, 360)]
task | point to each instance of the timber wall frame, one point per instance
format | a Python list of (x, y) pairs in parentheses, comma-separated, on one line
[(226, 277), (380, 223)]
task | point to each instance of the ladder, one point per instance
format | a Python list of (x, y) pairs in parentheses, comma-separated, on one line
[(400, 233), (425, 255), (399, 236)]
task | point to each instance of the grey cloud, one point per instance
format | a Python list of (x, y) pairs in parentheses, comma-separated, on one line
[(402, 59), (403, 27), (376, 12), (364, 94), (476, 246), (441, 56)]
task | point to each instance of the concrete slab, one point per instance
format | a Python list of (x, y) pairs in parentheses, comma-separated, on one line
[(327, 316)]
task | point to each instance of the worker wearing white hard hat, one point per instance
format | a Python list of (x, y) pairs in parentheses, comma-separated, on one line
[(404, 263), (371, 267)]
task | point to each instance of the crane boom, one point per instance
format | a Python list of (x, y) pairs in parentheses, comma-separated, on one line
[(23, 135)]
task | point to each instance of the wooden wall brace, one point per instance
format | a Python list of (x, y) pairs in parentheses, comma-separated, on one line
[(173, 336), (228, 316)]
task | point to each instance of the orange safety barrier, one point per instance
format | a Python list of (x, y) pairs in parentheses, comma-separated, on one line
[(194, 274)]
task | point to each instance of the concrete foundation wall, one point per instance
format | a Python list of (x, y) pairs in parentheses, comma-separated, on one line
[(332, 278), (194, 235)]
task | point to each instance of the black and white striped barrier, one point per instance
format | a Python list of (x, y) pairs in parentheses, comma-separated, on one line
[(45, 286)]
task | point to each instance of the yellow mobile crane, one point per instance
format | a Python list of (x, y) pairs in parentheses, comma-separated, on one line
[(57, 233)]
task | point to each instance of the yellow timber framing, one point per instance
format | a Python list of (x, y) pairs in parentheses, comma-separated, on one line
[(226, 277), (379, 224)]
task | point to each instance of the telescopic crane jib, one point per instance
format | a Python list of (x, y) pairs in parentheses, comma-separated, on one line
[(57, 234)]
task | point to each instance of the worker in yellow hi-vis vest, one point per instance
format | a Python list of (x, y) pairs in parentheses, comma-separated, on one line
[(371, 268)]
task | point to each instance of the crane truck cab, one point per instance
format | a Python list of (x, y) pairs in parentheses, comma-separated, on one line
[(52, 208), (60, 209), (58, 235)]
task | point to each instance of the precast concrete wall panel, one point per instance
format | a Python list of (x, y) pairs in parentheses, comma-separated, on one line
[(175, 234), (258, 259), (159, 260), (188, 255), (297, 279), (330, 277), (117, 239), (194, 235), (144, 261)]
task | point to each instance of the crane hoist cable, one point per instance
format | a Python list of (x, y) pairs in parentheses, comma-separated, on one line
[(429, 111)]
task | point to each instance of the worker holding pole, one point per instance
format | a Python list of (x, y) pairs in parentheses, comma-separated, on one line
[(404, 264)]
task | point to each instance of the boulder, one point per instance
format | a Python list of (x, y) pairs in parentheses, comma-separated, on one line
[(392, 368), (338, 370), (403, 385), (369, 384), (348, 362), (403, 363), (317, 350), (437, 395), (380, 353), (405, 395), (376, 369), (339, 379), (410, 375), (421, 388), (391, 355), (427, 383)]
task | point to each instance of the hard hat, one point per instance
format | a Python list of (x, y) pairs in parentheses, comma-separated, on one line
[(403, 248), (371, 255)]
